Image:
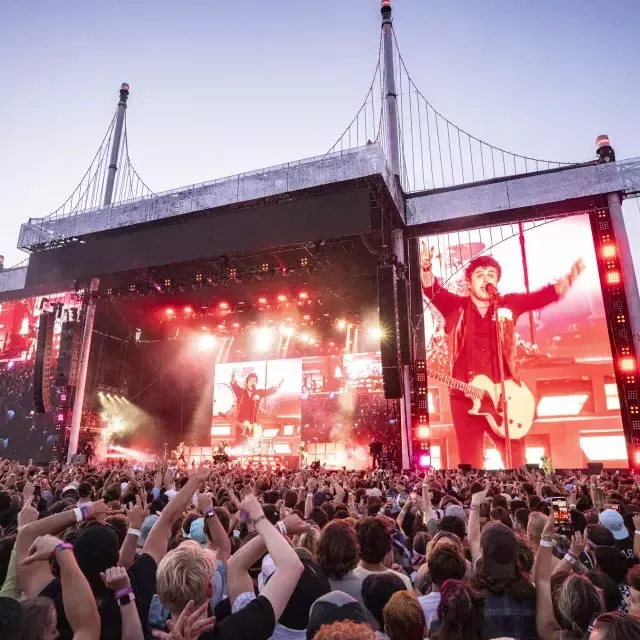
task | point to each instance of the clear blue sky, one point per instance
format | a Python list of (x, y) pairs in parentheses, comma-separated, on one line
[(223, 87)]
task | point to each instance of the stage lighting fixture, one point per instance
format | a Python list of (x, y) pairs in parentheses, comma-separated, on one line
[(608, 251), (627, 364), (303, 295), (223, 305), (304, 262), (167, 283), (198, 277), (282, 298), (376, 332), (264, 338), (613, 277), (206, 342), (262, 301), (604, 150), (169, 311), (188, 310), (425, 461), (341, 325)]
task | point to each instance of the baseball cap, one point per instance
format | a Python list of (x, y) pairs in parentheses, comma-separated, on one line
[(613, 521), (334, 607), (145, 529), (456, 510), (69, 488), (197, 532)]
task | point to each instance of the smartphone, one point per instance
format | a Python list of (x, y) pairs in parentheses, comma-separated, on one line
[(414, 495), (389, 501), (560, 508)]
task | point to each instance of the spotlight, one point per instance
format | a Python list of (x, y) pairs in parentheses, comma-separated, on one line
[(206, 342), (262, 300), (282, 298), (341, 324), (303, 295), (223, 305), (169, 311), (376, 332), (264, 338), (188, 310), (305, 338), (604, 150)]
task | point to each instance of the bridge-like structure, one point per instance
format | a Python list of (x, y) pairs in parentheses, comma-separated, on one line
[(431, 175)]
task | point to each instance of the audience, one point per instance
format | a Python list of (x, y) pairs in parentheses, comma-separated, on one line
[(106, 551)]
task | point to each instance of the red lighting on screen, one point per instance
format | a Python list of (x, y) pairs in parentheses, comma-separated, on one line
[(424, 461), (224, 305), (636, 457), (169, 312), (609, 251), (613, 277), (303, 295), (423, 433), (627, 364)]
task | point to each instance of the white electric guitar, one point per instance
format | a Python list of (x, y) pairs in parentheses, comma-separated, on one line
[(486, 397)]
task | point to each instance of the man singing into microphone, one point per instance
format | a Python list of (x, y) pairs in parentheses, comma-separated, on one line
[(473, 344)]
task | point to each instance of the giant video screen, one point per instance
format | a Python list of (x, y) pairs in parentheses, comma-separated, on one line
[(540, 279)]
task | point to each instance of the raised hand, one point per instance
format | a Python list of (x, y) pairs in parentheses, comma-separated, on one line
[(116, 578), (564, 284), (296, 525), (577, 544), (136, 514), (191, 623), (41, 549)]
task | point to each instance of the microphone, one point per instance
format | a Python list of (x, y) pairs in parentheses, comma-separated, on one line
[(492, 291)]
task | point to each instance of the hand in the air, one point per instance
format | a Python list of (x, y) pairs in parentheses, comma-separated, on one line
[(564, 284), (116, 578)]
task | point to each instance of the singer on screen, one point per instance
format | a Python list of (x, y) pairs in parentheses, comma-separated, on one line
[(475, 384)]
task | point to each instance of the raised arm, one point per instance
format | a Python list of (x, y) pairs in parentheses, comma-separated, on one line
[(77, 598), (444, 301), (546, 625), (117, 579), (477, 500)]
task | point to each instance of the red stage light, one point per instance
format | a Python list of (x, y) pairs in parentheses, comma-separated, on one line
[(188, 310), (282, 298), (169, 312), (306, 317), (627, 364), (613, 277), (637, 457), (262, 301), (224, 305), (423, 433), (609, 251), (236, 325), (303, 295)]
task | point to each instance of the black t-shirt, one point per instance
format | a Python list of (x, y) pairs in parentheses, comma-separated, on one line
[(142, 575), (626, 546), (256, 621)]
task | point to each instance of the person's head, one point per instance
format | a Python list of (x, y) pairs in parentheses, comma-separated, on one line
[(446, 563), (500, 514), (599, 536), (535, 526), (377, 589), (96, 548), (251, 381), (38, 619), (420, 542), (481, 271), (633, 580), (579, 601), (403, 617), (526, 555), (614, 521), (609, 589), (85, 490), (453, 524), (338, 607), (319, 517), (522, 520), (290, 499), (345, 630), (616, 626), (309, 541), (338, 551), (185, 574), (374, 538), (120, 523), (611, 561), (461, 612)]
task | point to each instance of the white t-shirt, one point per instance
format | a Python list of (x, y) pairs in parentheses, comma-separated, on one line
[(362, 573), (430, 604)]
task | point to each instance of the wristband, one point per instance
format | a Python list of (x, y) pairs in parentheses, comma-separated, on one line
[(244, 514), (309, 494), (134, 532), (78, 513), (61, 547), (546, 543), (209, 513), (474, 507), (258, 519), (637, 532), (85, 512), (282, 527), (569, 557), (123, 592)]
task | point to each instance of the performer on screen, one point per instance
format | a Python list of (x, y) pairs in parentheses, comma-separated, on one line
[(472, 336), (248, 400)]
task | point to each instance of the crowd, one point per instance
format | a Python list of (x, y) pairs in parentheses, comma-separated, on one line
[(127, 553)]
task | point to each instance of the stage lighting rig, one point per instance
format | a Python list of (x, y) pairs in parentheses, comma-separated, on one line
[(604, 150)]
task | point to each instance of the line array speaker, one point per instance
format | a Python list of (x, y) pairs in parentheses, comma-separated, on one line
[(42, 366), (389, 342), (403, 321), (69, 353)]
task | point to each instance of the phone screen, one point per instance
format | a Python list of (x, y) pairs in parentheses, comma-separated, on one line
[(561, 510)]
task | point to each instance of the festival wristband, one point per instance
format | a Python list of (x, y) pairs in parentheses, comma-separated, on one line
[(85, 512), (637, 533), (244, 514), (546, 543), (61, 547), (474, 507), (123, 592), (282, 527), (78, 513), (134, 532), (260, 518)]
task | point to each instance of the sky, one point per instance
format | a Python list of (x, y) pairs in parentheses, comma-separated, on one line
[(219, 88)]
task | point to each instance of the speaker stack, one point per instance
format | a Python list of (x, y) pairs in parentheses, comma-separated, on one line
[(42, 367), (389, 326), (69, 353)]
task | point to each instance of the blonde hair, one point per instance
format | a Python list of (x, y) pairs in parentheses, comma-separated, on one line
[(310, 540), (535, 526), (184, 574)]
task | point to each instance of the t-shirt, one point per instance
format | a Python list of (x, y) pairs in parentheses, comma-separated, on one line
[(142, 575), (362, 573), (626, 546), (255, 621), (350, 584), (430, 604)]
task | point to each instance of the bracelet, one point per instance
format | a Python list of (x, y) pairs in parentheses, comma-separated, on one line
[(282, 527), (60, 547), (637, 532), (258, 519), (473, 507), (78, 513), (209, 513), (546, 543), (569, 557), (134, 532), (309, 494), (123, 592), (244, 514)]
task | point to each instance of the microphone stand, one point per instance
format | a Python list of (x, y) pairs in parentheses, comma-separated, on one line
[(502, 405)]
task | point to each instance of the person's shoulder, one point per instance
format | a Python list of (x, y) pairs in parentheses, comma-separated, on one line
[(256, 620)]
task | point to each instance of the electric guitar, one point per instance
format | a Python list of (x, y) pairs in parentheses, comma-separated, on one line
[(487, 401)]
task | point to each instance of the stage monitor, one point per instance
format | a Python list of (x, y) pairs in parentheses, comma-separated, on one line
[(543, 278)]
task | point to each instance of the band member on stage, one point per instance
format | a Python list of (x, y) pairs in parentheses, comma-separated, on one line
[(472, 337), (375, 449), (248, 400), (180, 454)]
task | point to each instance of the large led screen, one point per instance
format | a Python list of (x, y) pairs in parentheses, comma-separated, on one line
[(562, 402)]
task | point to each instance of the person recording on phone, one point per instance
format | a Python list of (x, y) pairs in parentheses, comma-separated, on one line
[(473, 342), (248, 400)]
